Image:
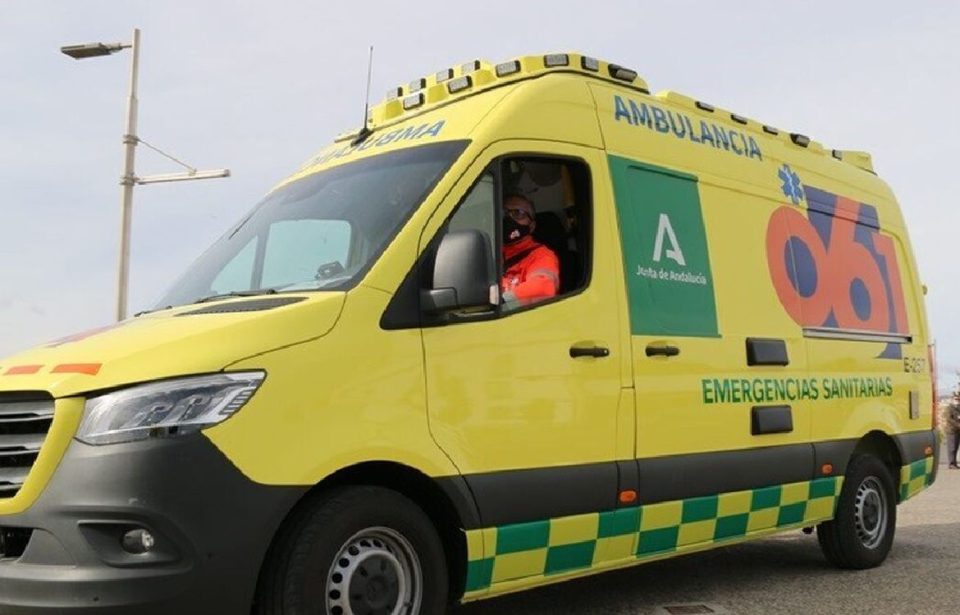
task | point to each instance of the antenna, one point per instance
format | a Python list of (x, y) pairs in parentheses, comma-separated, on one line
[(365, 125)]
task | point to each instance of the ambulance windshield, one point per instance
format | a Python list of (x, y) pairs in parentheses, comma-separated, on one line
[(321, 232)]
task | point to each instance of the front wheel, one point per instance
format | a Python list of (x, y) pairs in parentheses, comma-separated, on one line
[(356, 551), (861, 532)]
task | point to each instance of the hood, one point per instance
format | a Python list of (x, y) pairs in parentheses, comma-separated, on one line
[(187, 340)]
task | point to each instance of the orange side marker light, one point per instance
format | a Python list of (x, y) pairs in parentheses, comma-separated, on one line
[(628, 496), (22, 370), (928, 451), (826, 469), (90, 369)]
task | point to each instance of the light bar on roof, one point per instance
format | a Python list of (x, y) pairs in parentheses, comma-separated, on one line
[(459, 84), (396, 92), (469, 67), (444, 75), (556, 59), (507, 68), (418, 84), (591, 64), (413, 101), (622, 73)]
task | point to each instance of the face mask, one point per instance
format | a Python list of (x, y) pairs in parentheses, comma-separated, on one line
[(514, 231)]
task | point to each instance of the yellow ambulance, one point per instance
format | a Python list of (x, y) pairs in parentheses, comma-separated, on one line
[(335, 410)]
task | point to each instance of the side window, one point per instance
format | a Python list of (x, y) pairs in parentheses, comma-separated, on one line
[(546, 217), (542, 206)]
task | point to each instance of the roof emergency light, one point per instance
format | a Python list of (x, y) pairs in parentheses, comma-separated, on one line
[(459, 84), (591, 64), (621, 73), (507, 68), (556, 59), (413, 101), (444, 75)]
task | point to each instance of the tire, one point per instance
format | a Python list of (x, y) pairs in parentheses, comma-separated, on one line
[(355, 551), (861, 533)]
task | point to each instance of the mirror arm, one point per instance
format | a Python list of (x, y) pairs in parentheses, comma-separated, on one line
[(438, 299)]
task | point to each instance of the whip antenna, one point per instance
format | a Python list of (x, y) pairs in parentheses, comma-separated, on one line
[(365, 125)]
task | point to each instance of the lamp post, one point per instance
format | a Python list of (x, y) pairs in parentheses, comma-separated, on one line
[(130, 140)]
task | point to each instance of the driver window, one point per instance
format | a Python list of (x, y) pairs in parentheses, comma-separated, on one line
[(545, 241), (538, 224)]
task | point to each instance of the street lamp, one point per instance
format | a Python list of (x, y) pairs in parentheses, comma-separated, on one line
[(130, 140), (92, 50)]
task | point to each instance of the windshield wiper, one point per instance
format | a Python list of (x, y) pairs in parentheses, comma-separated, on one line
[(152, 310), (238, 293)]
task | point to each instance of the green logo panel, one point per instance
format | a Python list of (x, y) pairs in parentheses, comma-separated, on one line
[(669, 283)]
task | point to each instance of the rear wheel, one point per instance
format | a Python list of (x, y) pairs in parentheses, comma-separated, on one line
[(861, 533), (356, 551)]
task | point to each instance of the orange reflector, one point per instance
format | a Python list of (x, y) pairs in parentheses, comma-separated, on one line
[(628, 497), (90, 369), (928, 451), (22, 370), (826, 468)]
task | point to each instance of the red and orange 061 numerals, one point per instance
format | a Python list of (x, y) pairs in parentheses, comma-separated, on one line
[(850, 281)]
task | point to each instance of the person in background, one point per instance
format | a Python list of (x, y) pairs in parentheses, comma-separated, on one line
[(953, 429), (531, 269)]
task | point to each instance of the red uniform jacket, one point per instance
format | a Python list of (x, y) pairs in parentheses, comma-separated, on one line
[(534, 277)]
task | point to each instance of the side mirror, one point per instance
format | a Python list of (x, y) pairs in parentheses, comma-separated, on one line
[(463, 273)]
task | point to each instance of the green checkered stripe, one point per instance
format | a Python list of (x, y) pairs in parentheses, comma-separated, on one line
[(580, 543), (915, 477)]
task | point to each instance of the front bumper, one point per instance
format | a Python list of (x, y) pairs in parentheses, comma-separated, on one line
[(212, 528)]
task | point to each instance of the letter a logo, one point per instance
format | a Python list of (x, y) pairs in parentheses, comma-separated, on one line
[(664, 228)]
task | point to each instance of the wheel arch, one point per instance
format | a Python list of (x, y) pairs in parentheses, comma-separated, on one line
[(446, 501), (885, 448)]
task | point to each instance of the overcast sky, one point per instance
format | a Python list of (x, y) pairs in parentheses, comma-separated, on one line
[(258, 87)]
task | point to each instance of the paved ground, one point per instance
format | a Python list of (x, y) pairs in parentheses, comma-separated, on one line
[(785, 574)]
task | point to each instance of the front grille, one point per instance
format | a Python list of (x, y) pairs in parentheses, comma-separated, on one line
[(25, 419)]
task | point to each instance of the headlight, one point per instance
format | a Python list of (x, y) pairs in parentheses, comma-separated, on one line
[(168, 408)]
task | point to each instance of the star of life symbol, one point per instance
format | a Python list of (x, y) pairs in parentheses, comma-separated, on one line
[(791, 186)]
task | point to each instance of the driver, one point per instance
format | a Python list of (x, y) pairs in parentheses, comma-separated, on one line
[(531, 269)]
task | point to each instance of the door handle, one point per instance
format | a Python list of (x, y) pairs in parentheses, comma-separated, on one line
[(662, 350), (598, 352)]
